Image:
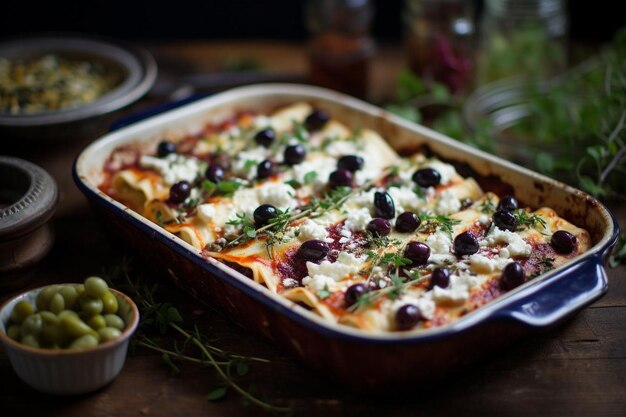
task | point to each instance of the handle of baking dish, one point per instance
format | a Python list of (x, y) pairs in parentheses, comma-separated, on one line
[(153, 111), (559, 296)]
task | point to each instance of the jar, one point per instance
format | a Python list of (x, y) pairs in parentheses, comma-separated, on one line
[(439, 38), (340, 47), (522, 38)]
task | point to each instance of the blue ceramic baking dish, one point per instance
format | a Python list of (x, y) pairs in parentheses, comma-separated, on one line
[(362, 360)]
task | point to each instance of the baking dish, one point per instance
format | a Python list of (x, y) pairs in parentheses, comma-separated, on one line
[(357, 358)]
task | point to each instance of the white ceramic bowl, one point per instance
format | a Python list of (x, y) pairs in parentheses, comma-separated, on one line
[(66, 371)]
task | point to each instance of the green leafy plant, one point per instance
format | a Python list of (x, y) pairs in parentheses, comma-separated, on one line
[(164, 330)]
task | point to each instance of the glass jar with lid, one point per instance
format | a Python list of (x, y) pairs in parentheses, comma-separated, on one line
[(522, 38)]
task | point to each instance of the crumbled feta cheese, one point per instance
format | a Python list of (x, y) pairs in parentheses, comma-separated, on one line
[(174, 167), (483, 264), (358, 219), (278, 194), (206, 212), (454, 295), (245, 200), (290, 283), (439, 243), (363, 199), (345, 235), (247, 160), (311, 230), (484, 219), (405, 199), (328, 273), (322, 166), (448, 203), (425, 305), (516, 245), (339, 148)]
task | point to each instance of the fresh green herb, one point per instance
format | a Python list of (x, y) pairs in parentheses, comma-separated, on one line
[(393, 292), (525, 220), (293, 183), (225, 188), (487, 206), (163, 317), (323, 293), (310, 177), (249, 164), (419, 192), (300, 132), (433, 222), (242, 221), (396, 259), (397, 287), (159, 218)]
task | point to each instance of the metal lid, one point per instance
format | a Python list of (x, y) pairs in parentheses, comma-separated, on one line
[(28, 197)]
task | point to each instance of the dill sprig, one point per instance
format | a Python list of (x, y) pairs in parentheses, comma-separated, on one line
[(164, 318)]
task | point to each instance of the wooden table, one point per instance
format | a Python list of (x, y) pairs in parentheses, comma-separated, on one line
[(578, 369)]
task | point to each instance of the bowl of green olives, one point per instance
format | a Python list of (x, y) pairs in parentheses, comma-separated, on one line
[(68, 338)]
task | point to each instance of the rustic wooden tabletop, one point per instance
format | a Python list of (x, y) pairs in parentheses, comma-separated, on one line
[(577, 369)]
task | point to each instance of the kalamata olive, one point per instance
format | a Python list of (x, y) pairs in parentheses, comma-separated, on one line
[(427, 177), (352, 163), (294, 154), (407, 222), (563, 242), (165, 148), (354, 292), (505, 220), (179, 192), (265, 137), (316, 120), (263, 214), (440, 278), (418, 252), (215, 173), (379, 227), (407, 317), (313, 250), (512, 276), (508, 203), (340, 178), (384, 206), (265, 169), (466, 244)]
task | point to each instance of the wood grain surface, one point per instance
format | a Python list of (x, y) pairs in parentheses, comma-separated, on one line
[(578, 369)]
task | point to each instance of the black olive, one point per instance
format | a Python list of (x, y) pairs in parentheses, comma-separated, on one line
[(384, 206), (215, 173), (508, 203), (505, 220), (352, 163), (265, 137), (440, 278), (179, 192), (379, 227), (407, 222), (417, 252), (313, 250), (294, 154), (466, 244), (263, 214), (354, 292), (427, 177), (316, 120), (563, 242), (407, 317), (165, 148), (265, 169), (512, 276), (340, 178)]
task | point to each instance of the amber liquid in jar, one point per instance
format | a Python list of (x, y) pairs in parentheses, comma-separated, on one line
[(340, 63)]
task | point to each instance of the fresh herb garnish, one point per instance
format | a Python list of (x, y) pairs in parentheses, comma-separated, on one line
[(433, 222), (525, 220), (487, 206), (394, 291), (323, 293), (226, 188), (245, 223), (189, 345), (310, 177)]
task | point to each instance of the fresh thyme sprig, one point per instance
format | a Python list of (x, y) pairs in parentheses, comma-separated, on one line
[(164, 317), (525, 220), (430, 223), (397, 288)]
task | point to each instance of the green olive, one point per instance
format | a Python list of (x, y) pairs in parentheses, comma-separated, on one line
[(70, 295), (57, 303), (65, 313), (44, 297), (32, 325), (85, 341), (96, 322), (49, 318), (109, 333), (15, 332), (80, 288), (91, 306), (74, 326), (21, 310), (53, 334), (124, 309), (113, 320), (30, 340), (96, 287), (110, 303)]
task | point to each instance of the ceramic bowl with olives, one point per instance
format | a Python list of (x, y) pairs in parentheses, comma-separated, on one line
[(68, 338)]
